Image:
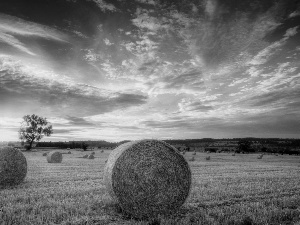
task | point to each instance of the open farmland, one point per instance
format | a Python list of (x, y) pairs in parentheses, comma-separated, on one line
[(227, 189)]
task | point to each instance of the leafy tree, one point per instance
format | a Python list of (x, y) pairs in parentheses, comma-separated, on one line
[(244, 146), (34, 128), (84, 146), (11, 144)]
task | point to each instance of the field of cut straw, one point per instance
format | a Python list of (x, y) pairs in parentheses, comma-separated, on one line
[(226, 189)]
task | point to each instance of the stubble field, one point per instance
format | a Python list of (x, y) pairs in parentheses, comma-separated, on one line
[(226, 189)]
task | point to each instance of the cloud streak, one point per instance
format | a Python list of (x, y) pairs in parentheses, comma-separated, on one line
[(58, 97), (12, 27)]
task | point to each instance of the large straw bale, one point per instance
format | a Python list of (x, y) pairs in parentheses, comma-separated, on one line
[(91, 157), (13, 166), (147, 178), (54, 157)]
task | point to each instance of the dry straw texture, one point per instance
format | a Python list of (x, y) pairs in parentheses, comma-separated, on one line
[(54, 157), (91, 157), (147, 178), (13, 166)]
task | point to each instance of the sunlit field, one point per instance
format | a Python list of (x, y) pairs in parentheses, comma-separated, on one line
[(226, 189)]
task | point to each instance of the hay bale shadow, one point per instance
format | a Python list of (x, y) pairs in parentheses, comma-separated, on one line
[(84, 157), (114, 210)]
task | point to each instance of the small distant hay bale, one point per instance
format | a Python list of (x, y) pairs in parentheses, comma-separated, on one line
[(147, 178), (68, 148), (192, 159), (276, 154), (69, 152), (105, 161), (45, 154), (194, 153), (54, 157), (93, 153), (102, 151), (91, 157), (233, 154), (207, 158), (85, 156), (13, 166), (260, 156)]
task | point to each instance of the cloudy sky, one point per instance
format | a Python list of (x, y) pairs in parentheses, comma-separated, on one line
[(131, 69)]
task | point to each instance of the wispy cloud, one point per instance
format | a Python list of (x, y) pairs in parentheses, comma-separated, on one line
[(104, 6), (294, 14), (149, 2), (12, 27), (12, 41), (107, 42), (55, 96)]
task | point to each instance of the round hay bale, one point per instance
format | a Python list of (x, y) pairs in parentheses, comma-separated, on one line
[(105, 161), (233, 154), (69, 152), (102, 151), (192, 159), (54, 157), (194, 153), (147, 178), (93, 153), (45, 154), (260, 156), (91, 157), (85, 156), (207, 158), (13, 166)]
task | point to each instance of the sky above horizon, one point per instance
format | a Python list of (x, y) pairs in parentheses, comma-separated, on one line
[(124, 70)]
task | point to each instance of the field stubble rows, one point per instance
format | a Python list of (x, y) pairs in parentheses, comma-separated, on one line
[(227, 189)]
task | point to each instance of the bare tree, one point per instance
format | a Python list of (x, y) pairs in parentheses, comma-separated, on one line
[(34, 128)]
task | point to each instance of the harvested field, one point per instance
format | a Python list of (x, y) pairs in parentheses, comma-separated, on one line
[(225, 190)]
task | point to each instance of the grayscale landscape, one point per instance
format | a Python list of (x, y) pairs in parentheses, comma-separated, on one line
[(85, 83)]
